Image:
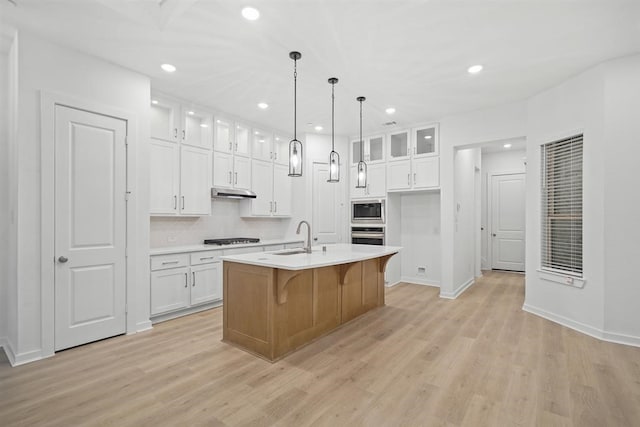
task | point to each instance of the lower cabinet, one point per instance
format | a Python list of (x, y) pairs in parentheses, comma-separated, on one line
[(180, 281)]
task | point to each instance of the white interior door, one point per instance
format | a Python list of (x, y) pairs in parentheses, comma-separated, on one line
[(326, 206), (507, 221), (90, 227)]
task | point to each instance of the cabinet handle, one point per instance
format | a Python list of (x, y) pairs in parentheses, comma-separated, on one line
[(236, 181), (270, 207), (230, 145), (415, 150), (408, 179), (183, 134), (229, 177), (175, 202), (414, 178), (175, 133), (194, 278), (275, 206), (271, 155), (186, 280), (170, 262), (236, 147), (182, 197), (206, 257), (275, 156)]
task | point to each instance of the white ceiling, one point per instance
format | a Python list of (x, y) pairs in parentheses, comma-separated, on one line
[(412, 55)]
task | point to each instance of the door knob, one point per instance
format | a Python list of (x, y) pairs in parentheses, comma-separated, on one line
[(315, 239), (63, 259), (493, 234)]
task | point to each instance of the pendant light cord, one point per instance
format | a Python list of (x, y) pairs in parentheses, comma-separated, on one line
[(361, 142), (333, 85), (295, 96)]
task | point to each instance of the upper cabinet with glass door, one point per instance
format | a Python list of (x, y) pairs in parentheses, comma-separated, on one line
[(197, 127), (399, 148), (372, 149), (243, 140), (281, 149), (425, 141), (262, 147), (165, 119), (232, 137)]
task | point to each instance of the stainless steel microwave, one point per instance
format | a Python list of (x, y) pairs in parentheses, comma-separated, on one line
[(367, 211)]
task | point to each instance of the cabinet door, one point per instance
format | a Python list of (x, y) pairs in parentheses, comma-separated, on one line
[(197, 128), (169, 290), (262, 145), (399, 175), (425, 141), (281, 150), (399, 145), (222, 169), (282, 191), (165, 118), (426, 172), (356, 193), (206, 283), (375, 152), (243, 140), (163, 174), (242, 173), (223, 136), (376, 180), (195, 181), (262, 185)]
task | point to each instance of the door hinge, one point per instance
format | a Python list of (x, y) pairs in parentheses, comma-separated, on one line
[(126, 195)]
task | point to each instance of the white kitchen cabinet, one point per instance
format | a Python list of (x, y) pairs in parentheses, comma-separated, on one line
[(399, 175), (205, 283), (414, 163), (197, 127), (262, 147), (272, 185), (164, 173), (425, 141), (399, 146), (372, 149), (182, 281), (243, 140), (164, 119), (426, 172), (230, 171), (169, 290), (195, 181), (224, 139), (281, 150), (376, 182)]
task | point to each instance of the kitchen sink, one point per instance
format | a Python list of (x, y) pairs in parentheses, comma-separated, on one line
[(291, 252)]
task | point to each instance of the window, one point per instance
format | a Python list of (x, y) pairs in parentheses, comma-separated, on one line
[(562, 206)]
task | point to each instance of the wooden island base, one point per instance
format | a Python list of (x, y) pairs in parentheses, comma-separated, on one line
[(271, 312)]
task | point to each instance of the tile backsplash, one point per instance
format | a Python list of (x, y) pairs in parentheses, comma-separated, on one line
[(225, 221)]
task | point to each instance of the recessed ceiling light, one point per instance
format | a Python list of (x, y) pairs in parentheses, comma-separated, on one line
[(204, 125), (475, 69), (218, 121), (507, 145), (263, 105), (318, 128), (168, 68), (154, 101), (191, 113), (250, 13), (428, 137), (390, 110), (277, 139)]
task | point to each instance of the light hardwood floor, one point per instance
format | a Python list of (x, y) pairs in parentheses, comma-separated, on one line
[(420, 360)]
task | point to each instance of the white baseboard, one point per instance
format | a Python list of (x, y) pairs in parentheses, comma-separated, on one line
[(17, 359), (393, 284), (8, 350), (180, 313), (143, 326), (584, 328), (420, 281), (455, 294)]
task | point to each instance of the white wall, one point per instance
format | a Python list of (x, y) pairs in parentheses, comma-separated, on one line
[(622, 198), (44, 66), (507, 161), (4, 189), (456, 132), (420, 237), (574, 106)]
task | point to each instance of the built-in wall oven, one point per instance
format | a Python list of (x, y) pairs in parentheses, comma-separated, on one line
[(367, 235), (367, 211)]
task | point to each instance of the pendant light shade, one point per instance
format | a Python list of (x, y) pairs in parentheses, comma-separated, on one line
[(295, 146), (334, 157), (361, 177)]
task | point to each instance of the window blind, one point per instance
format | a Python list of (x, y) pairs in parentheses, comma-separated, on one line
[(562, 206)]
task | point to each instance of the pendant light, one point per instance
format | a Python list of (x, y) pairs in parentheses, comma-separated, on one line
[(334, 157), (361, 177), (295, 146)]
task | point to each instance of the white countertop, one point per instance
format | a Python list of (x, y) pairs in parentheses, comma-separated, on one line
[(341, 253), (203, 247)]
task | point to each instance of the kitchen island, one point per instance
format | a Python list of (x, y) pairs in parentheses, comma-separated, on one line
[(277, 302)]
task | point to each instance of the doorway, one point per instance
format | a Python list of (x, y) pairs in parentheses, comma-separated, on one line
[(90, 226), (507, 221)]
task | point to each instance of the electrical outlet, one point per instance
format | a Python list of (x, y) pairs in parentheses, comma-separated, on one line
[(422, 271)]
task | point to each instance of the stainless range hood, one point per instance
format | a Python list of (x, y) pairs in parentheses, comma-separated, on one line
[(232, 193)]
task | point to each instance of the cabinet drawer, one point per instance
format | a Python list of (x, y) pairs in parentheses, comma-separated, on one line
[(162, 262), (205, 257)]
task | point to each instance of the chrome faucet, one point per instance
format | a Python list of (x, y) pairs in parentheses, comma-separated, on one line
[(307, 247)]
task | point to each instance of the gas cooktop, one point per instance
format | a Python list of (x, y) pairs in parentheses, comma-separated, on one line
[(231, 241)]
